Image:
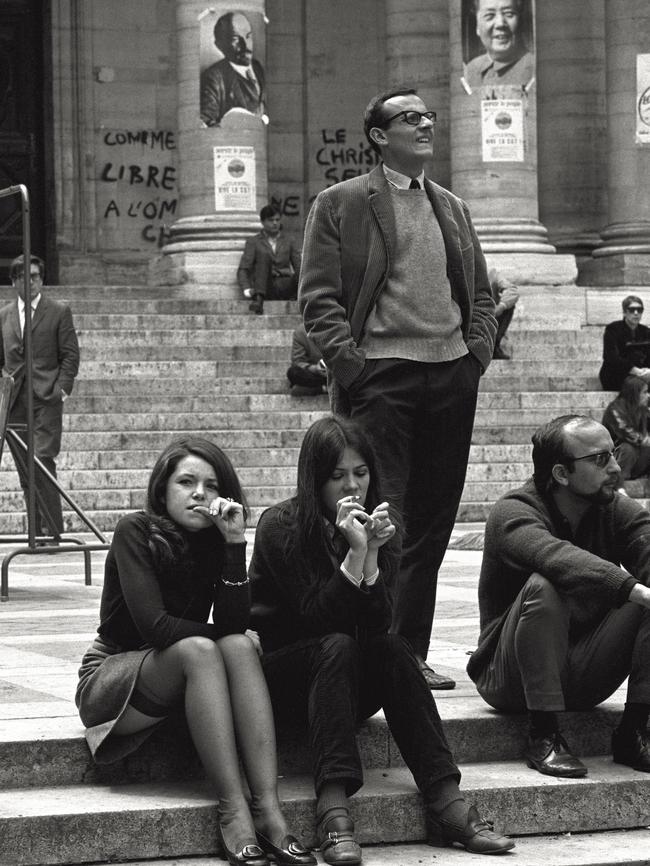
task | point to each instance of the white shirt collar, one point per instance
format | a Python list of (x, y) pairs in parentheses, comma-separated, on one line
[(401, 181), (242, 70), (21, 303)]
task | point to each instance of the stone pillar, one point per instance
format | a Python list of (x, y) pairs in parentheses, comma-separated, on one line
[(572, 122), (623, 257), (205, 244), (417, 53), (500, 183)]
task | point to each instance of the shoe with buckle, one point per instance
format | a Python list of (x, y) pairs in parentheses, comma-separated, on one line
[(250, 854), (477, 835), (551, 756), (631, 750), (436, 681), (336, 840), (290, 852)]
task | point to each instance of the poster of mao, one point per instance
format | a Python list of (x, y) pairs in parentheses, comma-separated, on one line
[(498, 43), (231, 61)]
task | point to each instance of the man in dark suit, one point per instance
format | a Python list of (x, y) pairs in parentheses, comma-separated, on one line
[(55, 363), (626, 347), (395, 293), (270, 263)]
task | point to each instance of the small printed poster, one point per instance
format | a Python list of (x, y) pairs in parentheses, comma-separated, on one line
[(642, 99), (234, 178), (502, 130)]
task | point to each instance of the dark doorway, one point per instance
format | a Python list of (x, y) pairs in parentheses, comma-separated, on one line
[(22, 90)]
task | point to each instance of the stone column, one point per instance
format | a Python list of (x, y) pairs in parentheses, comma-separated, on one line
[(623, 257), (500, 184), (417, 54), (205, 244), (572, 122)]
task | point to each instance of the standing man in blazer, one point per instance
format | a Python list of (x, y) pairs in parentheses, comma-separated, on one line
[(270, 263), (55, 364), (395, 293)]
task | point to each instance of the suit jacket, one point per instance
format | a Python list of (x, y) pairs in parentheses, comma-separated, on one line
[(222, 89), (286, 258), (620, 353), (54, 347), (349, 241)]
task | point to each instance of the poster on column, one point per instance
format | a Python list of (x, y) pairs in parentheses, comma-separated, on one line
[(231, 63), (498, 43), (643, 99), (502, 130), (234, 178)]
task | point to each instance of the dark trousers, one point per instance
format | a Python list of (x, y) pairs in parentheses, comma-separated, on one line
[(420, 418), (48, 421), (299, 376), (549, 659), (332, 683), (503, 322), (272, 286)]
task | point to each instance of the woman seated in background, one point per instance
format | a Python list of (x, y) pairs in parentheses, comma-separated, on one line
[(167, 566), (319, 574), (626, 418)]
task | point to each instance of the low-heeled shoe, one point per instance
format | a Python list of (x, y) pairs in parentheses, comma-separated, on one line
[(631, 750), (551, 756), (250, 855), (476, 836), (290, 852), (336, 839), (436, 681)]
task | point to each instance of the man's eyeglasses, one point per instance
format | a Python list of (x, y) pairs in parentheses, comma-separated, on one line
[(413, 118), (635, 309), (600, 459)]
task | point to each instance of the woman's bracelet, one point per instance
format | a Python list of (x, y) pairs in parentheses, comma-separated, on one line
[(234, 582)]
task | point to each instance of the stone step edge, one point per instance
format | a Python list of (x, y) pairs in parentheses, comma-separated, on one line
[(606, 848), (53, 752), (130, 821)]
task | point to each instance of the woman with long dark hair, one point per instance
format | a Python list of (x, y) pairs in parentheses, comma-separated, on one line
[(626, 418), (155, 650), (320, 572)]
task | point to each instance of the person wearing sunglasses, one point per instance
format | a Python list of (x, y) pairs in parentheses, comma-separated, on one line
[(564, 598), (395, 294), (626, 347)]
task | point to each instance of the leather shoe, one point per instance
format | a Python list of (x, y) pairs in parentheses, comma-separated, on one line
[(434, 680), (250, 854), (476, 836), (631, 750), (336, 841), (500, 354), (257, 305), (290, 852), (551, 756)]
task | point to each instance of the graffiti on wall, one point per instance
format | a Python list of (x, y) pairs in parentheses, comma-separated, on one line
[(338, 158), (137, 187)]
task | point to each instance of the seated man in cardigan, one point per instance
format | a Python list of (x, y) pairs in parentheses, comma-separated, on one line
[(564, 597)]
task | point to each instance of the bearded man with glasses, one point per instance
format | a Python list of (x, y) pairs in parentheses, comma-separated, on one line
[(626, 347), (395, 294), (564, 597)]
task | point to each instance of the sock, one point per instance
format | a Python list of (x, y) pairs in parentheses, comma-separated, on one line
[(447, 801), (542, 723), (635, 718), (331, 796)]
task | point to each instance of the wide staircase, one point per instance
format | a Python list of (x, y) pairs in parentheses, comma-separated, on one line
[(155, 365)]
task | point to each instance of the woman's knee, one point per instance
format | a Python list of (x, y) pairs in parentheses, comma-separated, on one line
[(197, 651)]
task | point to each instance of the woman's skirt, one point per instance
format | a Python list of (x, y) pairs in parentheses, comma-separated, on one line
[(107, 678)]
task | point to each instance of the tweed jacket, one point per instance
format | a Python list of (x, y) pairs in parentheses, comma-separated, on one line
[(350, 241), (55, 348)]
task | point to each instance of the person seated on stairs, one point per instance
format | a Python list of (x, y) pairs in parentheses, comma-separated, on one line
[(155, 651), (307, 374), (626, 418), (505, 296), (564, 598), (320, 571), (626, 347), (270, 264)]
